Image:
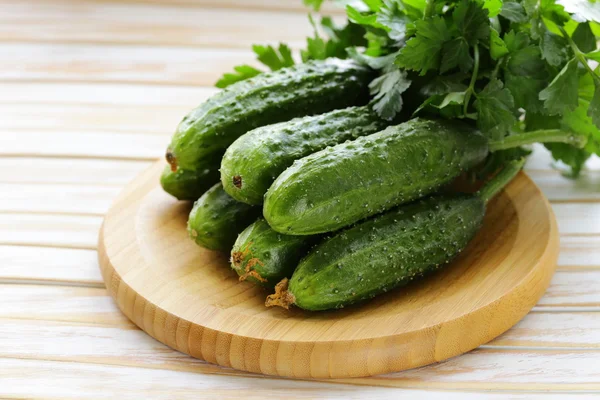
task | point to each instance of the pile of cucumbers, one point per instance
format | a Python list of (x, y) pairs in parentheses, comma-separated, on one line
[(315, 195)]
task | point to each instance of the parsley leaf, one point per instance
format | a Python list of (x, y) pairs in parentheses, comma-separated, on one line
[(494, 105), (472, 21), (274, 59), (387, 90), (314, 4), (571, 156), (242, 72), (554, 48), (498, 48), (366, 19), (393, 18), (584, 38), (594, 109), (525, 76), (516, 40), (595, 55), (527, 62), (493, 7), (514, 12), (423, 51), (267, 55), (456, 54), (561, 95), (318, 48)]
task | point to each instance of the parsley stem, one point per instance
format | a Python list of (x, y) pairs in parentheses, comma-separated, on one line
[(502, 179), (470, 90), (539, 136), (497, 68), (429, 9), (579, 55)]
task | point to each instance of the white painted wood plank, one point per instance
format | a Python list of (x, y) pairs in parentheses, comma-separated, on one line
[(83, 144), (558, 188), (50, 230), (103, 94), (89, 172), (68, 380), (159, 25), (86, 305), (112, 63), (579, 252), (49, 265), (334, 7), (578, 218), (503, 369), (121, 118), (575, 288), (498, 368), (57, 198), (576, 330)]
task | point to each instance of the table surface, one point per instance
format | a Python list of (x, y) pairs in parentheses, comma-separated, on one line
[(90, 92)]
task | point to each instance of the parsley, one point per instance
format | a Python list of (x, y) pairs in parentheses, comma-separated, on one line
[(267, 55), (498, 48), (423, 52), (561, 95), (274, 59), (241, 72), (494, 106), (520, 70), (314, 4)]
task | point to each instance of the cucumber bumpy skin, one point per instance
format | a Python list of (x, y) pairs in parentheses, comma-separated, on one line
[(255, 159), (343, 184), (304, 89), (389, 250), (216, 219), (188, 185), (263, 256), (382, 253)]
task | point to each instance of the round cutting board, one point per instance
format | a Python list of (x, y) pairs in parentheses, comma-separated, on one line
[(188, 297)]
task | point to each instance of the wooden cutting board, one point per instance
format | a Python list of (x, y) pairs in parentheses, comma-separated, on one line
[(188, 297)]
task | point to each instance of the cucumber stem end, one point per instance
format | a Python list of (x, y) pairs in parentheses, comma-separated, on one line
[(172, 160), (282, 297), (249, 272), (503, 178)]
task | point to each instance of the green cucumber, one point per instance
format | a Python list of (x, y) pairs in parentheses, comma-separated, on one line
[(343, 184), (263, 256), (255, 159), (304, 89), (216, 219), (388, 251), (188, 185)]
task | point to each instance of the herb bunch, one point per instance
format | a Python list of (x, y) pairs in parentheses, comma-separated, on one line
[(508, 66)]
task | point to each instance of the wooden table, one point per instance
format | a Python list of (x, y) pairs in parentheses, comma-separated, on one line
[(90, 93)]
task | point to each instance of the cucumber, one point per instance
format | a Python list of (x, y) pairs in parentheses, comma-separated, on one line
[(388, 251), (263, 256), (304, 89), (188, 185), (255, 159), (343, 184), (216, 219)]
